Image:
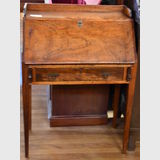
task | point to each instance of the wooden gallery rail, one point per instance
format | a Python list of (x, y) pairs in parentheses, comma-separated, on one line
[(78, 45)]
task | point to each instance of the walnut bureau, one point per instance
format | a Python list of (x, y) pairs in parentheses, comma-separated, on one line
[(78, 45)]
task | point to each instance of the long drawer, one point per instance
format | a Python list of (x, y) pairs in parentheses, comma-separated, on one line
[(64, 74)]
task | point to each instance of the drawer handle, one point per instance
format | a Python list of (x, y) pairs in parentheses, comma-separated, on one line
[(53, 75), (105, 75)]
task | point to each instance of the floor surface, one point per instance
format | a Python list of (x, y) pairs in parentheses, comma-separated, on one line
[(70, 143)]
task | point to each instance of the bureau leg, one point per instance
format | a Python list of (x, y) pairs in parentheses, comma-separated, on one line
[(130, 96), (26, 87), (30, 106), (115, 104)]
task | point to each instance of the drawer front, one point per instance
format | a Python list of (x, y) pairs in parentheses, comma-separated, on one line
[(78, 74)]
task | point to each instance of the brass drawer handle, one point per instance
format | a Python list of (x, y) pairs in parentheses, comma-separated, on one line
[(53, 75), (105, 75)]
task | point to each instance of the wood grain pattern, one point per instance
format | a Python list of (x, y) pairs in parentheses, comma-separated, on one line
[(74, 7), (70, 143), (56, 38), (79, 74)]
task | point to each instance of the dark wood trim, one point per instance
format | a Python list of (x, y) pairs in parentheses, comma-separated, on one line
[(78, 120), (26, 108)]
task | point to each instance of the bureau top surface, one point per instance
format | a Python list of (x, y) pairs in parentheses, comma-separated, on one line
[(75, 34), (91, 12), (77, 15)]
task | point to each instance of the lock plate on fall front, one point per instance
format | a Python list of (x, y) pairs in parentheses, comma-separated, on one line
[(79, 23)]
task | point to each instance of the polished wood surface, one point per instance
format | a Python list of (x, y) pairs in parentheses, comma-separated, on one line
[(70, 143), (79, 8), (79, 74), (73, 35)]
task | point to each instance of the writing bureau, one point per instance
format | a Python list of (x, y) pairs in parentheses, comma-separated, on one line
[(78, 45)]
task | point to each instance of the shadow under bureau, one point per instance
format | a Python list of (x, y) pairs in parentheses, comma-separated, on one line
[(78, 45)]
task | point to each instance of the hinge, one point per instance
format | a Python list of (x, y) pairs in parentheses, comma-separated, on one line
[(129, 74)]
